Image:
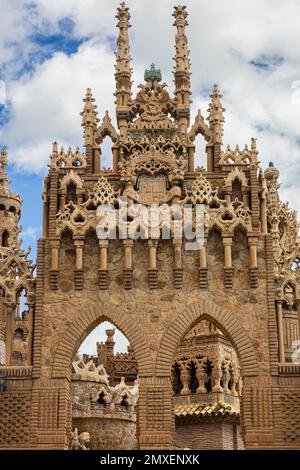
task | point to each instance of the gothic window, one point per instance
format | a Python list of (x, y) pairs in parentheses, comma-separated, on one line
[(21, 306), (124, 403), (12, 210), (19, 334), (101, 399), (71, 193), (237, 190), (5, 238)]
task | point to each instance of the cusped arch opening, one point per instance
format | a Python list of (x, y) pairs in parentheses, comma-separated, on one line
[(207, 388), (105, 388)]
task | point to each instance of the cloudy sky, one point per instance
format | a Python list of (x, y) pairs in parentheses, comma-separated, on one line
[(51, 51)]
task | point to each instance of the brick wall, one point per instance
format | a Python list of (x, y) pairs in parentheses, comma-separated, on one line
[(214, 435), (14, 419)]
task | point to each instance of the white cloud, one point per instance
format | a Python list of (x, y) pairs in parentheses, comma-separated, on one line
[(224, 37), (31, 233)]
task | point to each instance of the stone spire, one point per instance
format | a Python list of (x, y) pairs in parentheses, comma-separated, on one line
[(89, 118), (4, 180), (182, 68), (216, 117), (122, 67)]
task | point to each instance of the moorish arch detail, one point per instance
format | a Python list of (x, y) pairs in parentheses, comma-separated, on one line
[(206, 310), (75, 334)]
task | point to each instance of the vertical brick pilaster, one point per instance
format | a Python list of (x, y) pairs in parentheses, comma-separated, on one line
[(53, 204), (217, 152), (272, 323), (255, 207), (156, 413), (38, 312), (89, 160)]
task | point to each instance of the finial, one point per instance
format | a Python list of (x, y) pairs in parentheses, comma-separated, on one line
[(271, 165), (89, 117), (123, 15), (180, 14), (152, 74), (215, 107), (55, 148)]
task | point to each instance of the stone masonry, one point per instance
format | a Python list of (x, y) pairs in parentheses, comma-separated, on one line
[(243, 275)]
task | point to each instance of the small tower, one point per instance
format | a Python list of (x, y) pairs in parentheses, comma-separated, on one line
[(16, 276), (10, 204)]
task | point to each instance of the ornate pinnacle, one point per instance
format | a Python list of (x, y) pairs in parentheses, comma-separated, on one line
[(180, 14), (3, 160), (123, 50), (122, 67), (89, 117), (215, 107), (182, 68), (182, 51), (4, 180), (216, 117)]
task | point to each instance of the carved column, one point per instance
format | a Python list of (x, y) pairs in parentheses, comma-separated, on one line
[(210, 157), (245, 198), (128, 244), (228, 191), (253, 242), (153, 277), (203, 281), (191, 158), (62, 200), (80, 195), (185, 379), (201, 375), (54, 247), (178, 271), (103, 271), (225, 380), (115, 152), (97, 159), (280, 332), (228, 270), (79, 243), (217, 376)]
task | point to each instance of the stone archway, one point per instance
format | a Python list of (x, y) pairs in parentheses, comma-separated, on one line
[(226, 322), (82, 325)]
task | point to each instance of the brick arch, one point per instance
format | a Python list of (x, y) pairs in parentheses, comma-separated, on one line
[(81, 327), (226, 322)]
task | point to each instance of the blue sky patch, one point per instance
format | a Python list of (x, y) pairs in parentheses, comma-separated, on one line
[(264, 62)]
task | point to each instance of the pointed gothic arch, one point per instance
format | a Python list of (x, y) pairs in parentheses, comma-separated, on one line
[(81, 327), (226, 322), (5, 238)]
